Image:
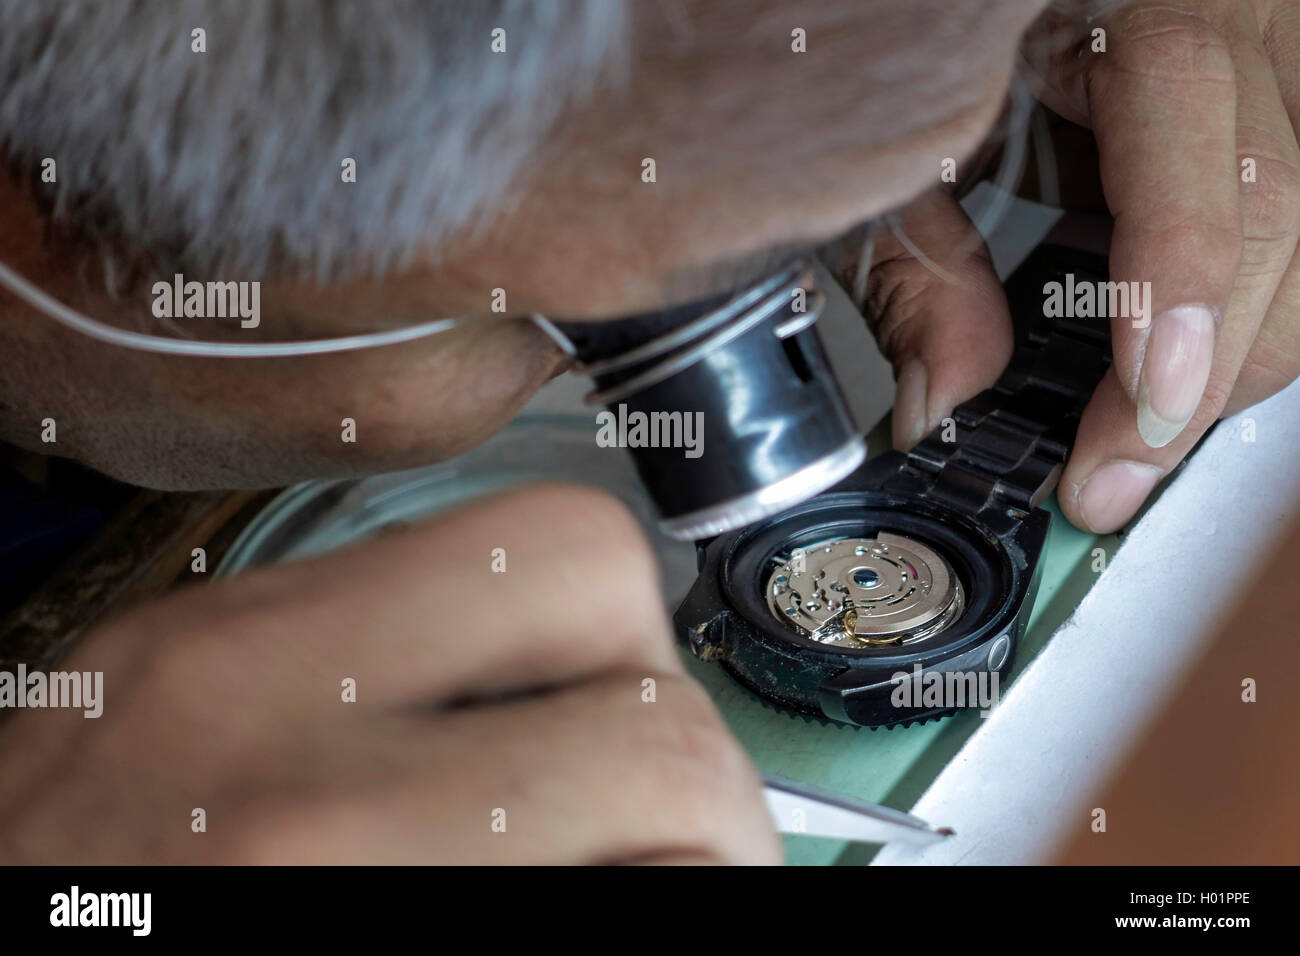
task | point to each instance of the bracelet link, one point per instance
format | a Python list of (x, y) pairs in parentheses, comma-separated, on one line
[(1007, 446)]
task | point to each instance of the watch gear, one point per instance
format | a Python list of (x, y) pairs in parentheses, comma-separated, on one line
[(866, 592)]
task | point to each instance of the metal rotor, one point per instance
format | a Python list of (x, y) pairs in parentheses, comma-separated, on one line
[(865, 592)]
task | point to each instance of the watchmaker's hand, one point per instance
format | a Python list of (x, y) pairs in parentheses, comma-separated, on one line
[(1194, 106), (501, 715)]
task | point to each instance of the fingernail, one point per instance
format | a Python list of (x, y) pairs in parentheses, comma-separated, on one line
[(1114, 492), (909, 405), (1179, 353)]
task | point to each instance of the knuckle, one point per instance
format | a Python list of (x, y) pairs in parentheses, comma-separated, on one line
[(1278, 31), (1209, 239), (592, 551), (1271, 204), (1167, 44), (896, 294), (1276, 368)]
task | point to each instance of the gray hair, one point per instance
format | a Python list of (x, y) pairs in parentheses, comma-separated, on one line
[(229, 161)]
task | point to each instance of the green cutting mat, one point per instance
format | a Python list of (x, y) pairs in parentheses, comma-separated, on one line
[(894, 767)]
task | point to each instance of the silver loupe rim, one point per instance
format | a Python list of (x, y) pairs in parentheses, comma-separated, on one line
[(756, 505)]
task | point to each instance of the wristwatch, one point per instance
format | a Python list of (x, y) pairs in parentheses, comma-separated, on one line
[(919, 567)]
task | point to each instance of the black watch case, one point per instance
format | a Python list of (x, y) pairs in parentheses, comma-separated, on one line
[(993, 552)]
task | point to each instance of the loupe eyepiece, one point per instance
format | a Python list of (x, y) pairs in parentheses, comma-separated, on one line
[(728, 406)]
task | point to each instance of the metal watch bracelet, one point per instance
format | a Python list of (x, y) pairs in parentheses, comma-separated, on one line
[(1006, 447)]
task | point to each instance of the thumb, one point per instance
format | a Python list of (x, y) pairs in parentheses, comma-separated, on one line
[(935, 305)]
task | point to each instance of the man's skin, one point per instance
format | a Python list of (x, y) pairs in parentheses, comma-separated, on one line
[(213, 694)]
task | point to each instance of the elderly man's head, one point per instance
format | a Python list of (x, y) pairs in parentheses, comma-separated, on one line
[(497, 144)]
